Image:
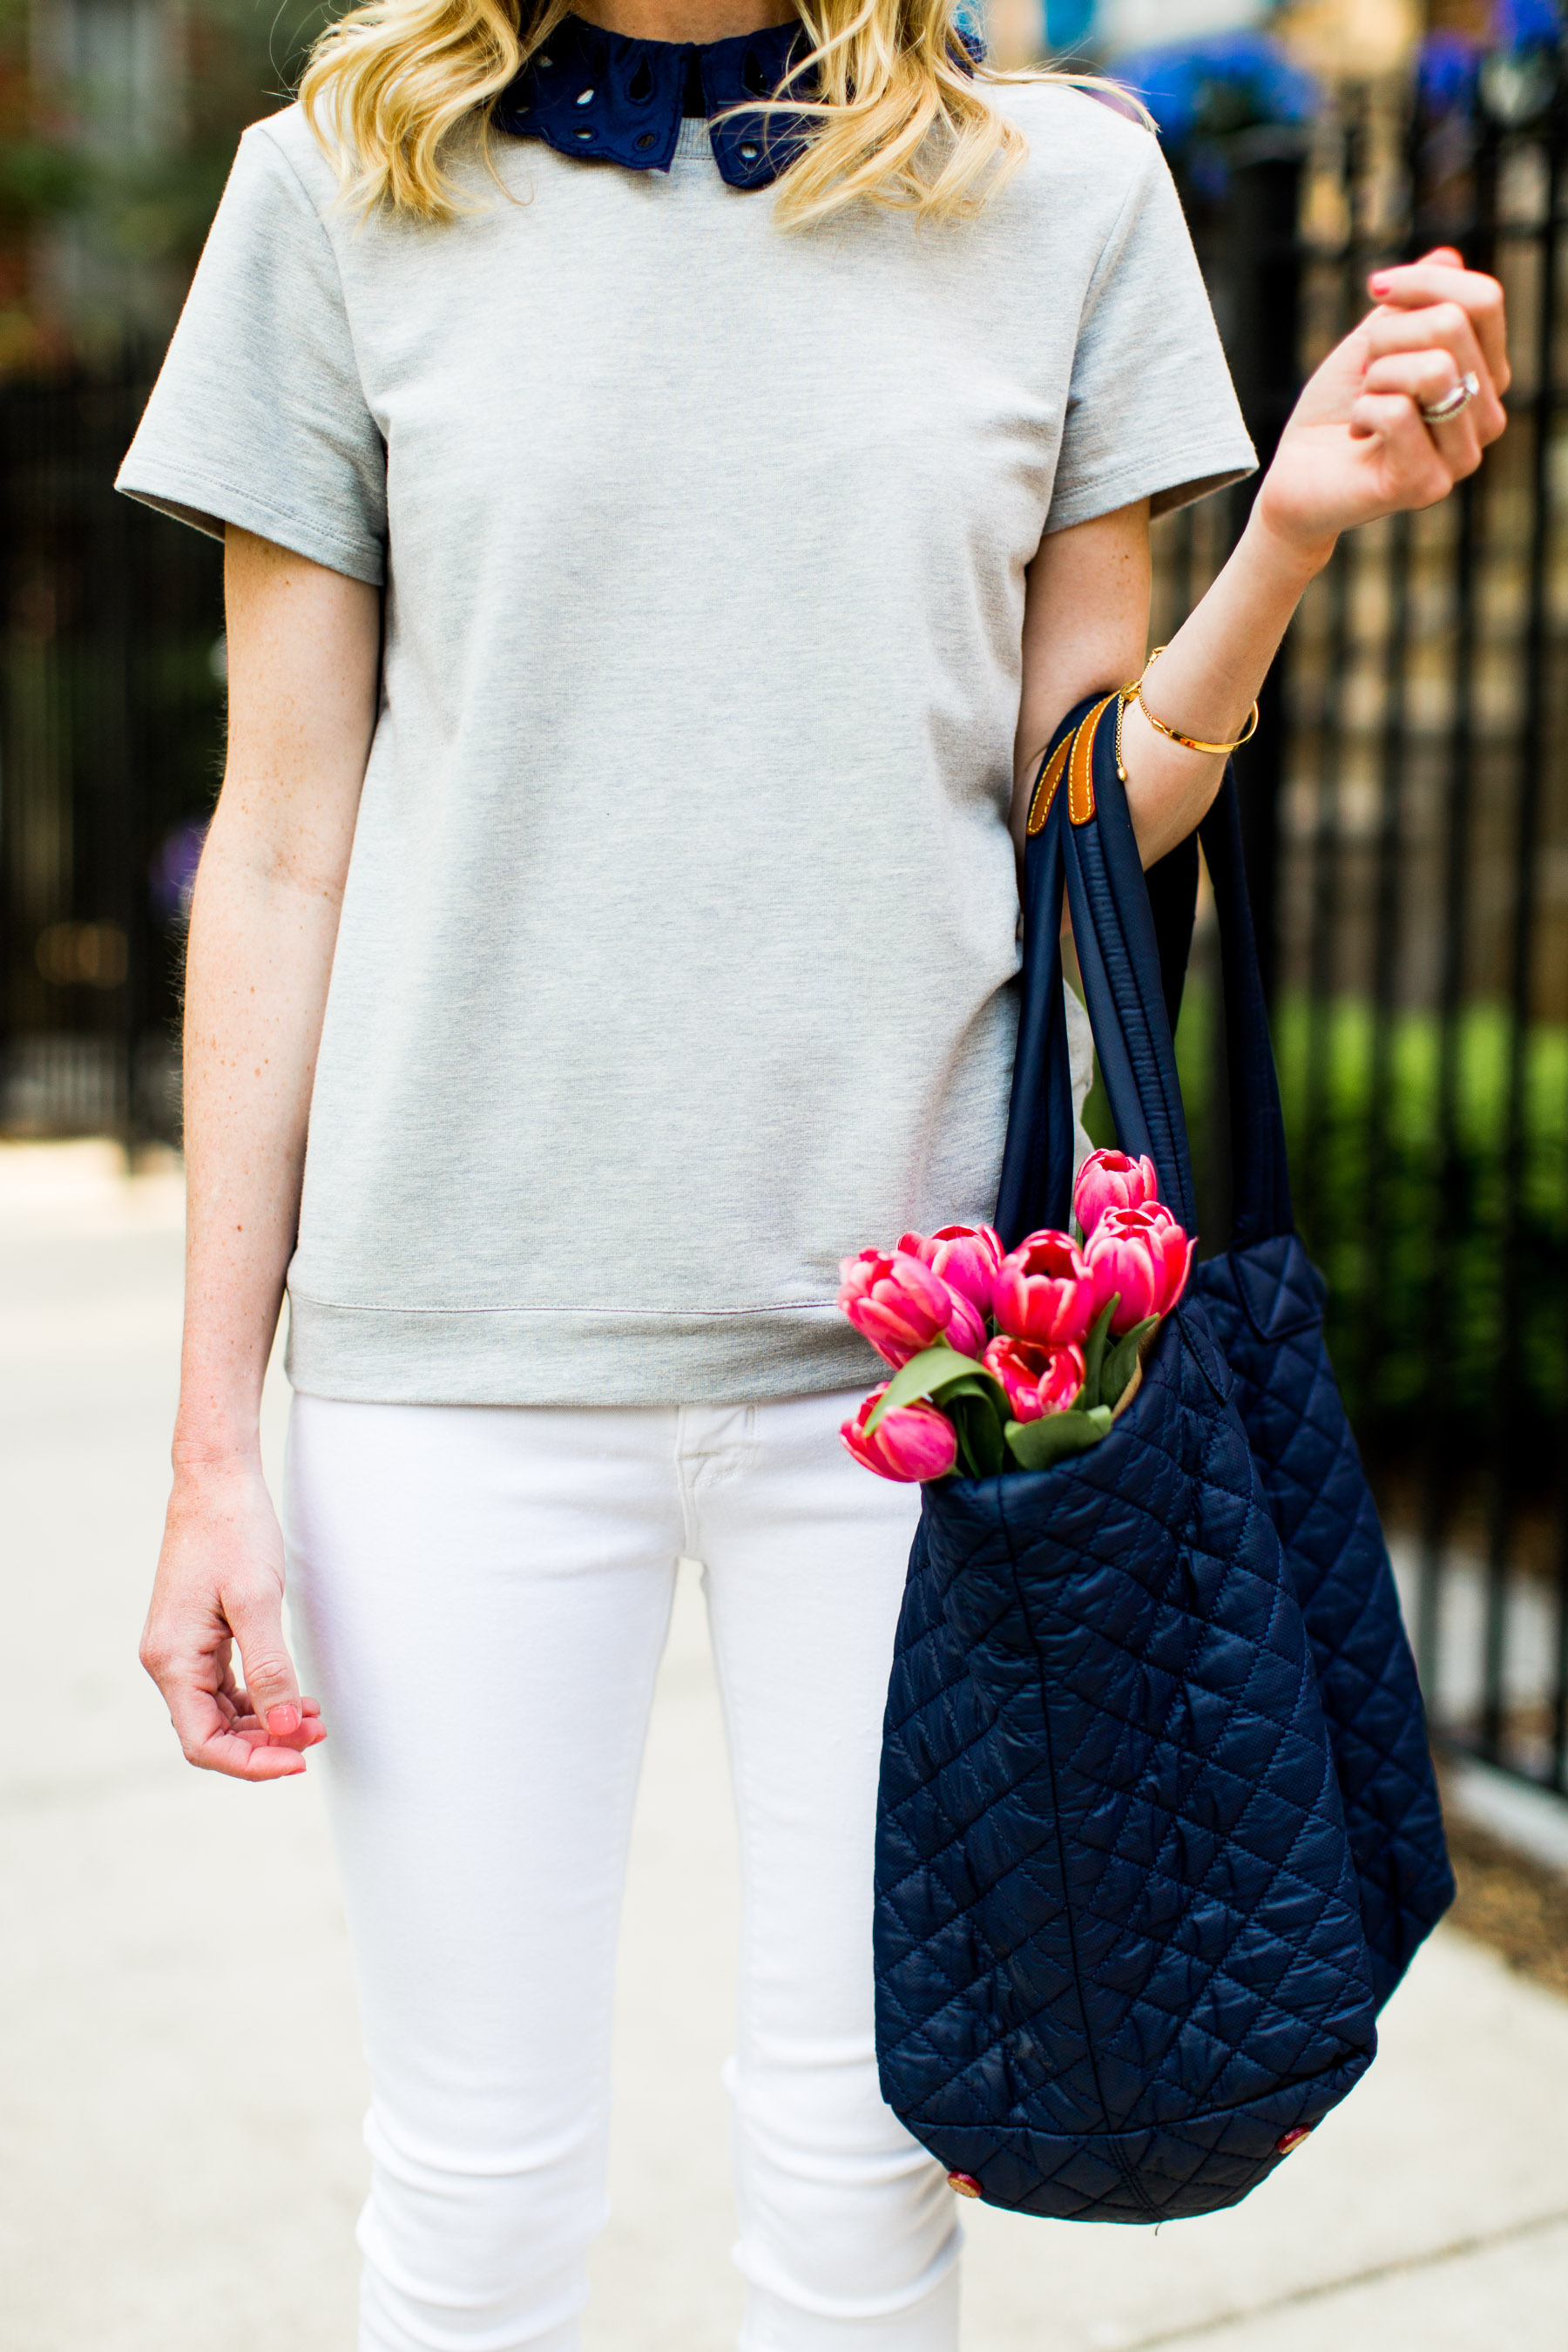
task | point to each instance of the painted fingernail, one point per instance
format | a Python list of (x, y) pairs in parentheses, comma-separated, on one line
[(282, 1721), (1380, 281)]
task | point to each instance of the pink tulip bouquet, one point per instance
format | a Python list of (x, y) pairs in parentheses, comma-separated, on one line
[(1013, 1360)]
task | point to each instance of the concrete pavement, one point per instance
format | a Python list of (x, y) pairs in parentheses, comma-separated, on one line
[(180, 2083)]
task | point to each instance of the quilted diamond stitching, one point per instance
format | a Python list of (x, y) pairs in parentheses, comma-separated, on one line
[(1311, 1471)]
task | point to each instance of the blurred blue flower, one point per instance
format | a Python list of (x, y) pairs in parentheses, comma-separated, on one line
[(1227, 81), (971, 30), (172, 871), (1450, 64), (1527, 23), (1069, 22)]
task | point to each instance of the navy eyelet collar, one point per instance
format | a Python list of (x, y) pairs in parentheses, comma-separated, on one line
[(610, 98)]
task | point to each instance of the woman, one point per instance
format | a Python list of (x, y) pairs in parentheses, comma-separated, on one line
[(676, 463)]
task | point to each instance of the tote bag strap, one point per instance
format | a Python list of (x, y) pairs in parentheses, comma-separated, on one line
[(1119, 957), (1037, 1160), (1133, 933), (1172, 886), (1080, 839)]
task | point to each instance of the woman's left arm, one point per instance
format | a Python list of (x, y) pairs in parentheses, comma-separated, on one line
[(1356, 448)]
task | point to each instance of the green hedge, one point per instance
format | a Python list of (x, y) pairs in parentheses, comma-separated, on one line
[(1362, 1108), (1362, 1112)]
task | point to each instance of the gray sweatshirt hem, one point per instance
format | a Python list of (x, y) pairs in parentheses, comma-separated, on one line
[(547, 1356)]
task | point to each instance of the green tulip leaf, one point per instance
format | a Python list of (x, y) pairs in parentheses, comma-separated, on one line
[(930, 1374), (981, 1448), (1122, 1361), (1037, 1444), (1094, 1357)]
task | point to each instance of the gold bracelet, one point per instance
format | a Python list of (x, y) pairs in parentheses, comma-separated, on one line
[(1134, 693)]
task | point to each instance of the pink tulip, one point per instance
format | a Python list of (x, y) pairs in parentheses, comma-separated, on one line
[(1043, 1292), (912, 1441), (966, 1257), (1109, 1179), (902, 1306), (1037, 1380), (1144, 1256)]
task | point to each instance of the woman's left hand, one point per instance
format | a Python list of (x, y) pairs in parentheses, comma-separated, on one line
[(1357, 445)]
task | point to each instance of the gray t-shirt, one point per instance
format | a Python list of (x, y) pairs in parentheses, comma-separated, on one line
[(679, 951)]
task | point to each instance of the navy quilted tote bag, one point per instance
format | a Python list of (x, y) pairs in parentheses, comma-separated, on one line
[(1157, 1828)]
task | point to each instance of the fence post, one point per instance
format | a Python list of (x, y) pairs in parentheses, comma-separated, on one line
[(1260, 259)]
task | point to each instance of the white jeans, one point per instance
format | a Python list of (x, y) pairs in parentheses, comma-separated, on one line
[(481, 1596)]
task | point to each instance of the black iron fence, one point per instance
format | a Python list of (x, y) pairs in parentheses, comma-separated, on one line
[(1407, 820), (111, 690), (1409, 851)]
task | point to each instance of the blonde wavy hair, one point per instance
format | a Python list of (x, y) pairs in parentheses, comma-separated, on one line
[(901, 118)]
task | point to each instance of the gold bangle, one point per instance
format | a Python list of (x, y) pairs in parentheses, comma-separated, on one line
[(1134, 693)]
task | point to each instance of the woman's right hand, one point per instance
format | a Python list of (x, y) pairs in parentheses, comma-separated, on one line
[(219, 1583)]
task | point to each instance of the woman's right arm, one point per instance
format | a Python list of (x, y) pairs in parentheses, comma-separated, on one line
[(303, 663)]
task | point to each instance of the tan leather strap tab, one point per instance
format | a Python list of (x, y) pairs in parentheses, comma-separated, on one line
[(1080, 768), (1046, 790)]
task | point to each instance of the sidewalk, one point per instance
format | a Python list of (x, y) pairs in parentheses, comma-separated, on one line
[(180, 2083)]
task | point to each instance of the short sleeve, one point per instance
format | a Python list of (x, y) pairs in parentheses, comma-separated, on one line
[(1151, 411), (258, 416)]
